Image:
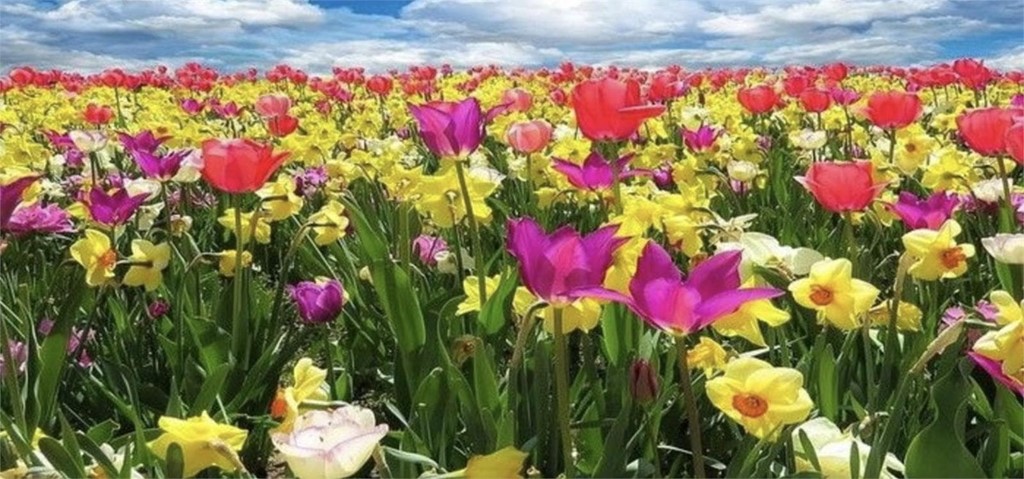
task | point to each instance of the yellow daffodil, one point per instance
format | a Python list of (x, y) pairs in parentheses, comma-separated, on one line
[(279, 198), (908, 316), (708, 355), (204, 443), (262, 227), (504, 463), (760, 397), (937, 253), (831, 290), (307, 385), (743, 321), (471, 287), (329, 224), (1007, 310), (97, 257), (148, 262), (440, 198), (1006, 345), (226, 264), (582, 314)]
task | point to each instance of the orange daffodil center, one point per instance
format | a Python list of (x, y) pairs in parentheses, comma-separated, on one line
[(750, 405)]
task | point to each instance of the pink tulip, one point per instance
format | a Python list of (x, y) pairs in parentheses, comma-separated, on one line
[(529, 136), (272, 105), (517, 99)]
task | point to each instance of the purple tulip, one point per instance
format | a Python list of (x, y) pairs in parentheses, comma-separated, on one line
[(701, 139), (452, 129), (563, 266), (226, 110), (596, 173), (10, 197), (845, 97), (661, 297), (37, 218), (427, 247), (192, 106), (18, 352), (143, 141), (318, 302), (931, 213), (115, 208), (995, 369), (1017, 100), (158, 308), (160, 166)]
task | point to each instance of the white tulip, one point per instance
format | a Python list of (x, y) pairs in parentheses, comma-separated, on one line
[(833, 449), (88, 141), (1005, 248), (330, 444), (766, 251)]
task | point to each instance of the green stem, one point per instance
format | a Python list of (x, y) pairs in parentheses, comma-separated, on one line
[(332, 380), (869, 362), (239, 326), (849, 240), (525, 326), (693, 421), (562, 392), (474, 232), (1006, 225), (404, 240)]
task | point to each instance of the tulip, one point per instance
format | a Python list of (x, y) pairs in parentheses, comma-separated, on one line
[(701, 139), (10, 197), (97, 114), (610, 110), (37, 218), (330, 444), (269, 106), (452, 129), (380, 84), (318, 302), (985, 130), (596, 173), (834, 450), (428, 247), (758, 99), (529, 136), (192, 106), (88, 141), (643, 382), (239, 165), (563, 266), (517, 99), (815, 101), (1005, 248), (1015, 142), (282, 125), (660, 296), (893, 110), (845, 97), (842, 187), (665, 87), (931, 213), (113, 208)]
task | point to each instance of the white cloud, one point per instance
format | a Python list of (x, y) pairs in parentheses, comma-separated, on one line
[(687, 57), (775, 21), (863, 51), (1009, 60), (379, 55)]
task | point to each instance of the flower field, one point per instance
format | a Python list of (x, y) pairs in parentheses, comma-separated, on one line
[(489, 273)]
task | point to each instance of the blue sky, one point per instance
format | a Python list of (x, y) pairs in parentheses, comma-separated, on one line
[(89, 35)]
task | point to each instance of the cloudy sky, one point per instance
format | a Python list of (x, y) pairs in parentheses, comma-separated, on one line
[(89, 35)]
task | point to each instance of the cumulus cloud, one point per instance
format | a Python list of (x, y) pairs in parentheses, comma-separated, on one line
[(235, 34)]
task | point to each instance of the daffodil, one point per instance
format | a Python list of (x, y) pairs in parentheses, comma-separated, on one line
[(329, 224), (279, 198), (760, 397), (831, 290), (261, 228), (1007, 310), (908, 316), (937, 253), (204, 443), (471, 287), (148, 262), (440, 198), (581, 314), (708, 355), (743, 321), (1005, 345), (97, 257), (506, 463), (226, 263), (307, 384)]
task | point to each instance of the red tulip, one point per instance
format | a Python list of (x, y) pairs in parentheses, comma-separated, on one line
[(815, 101), (841, 187), (528, 136), (794, 85), (984, 129), (517, 99), (282, 125), (272, 105), (665, 87), (239, 165), (893, 109), (1015, 142), (97, 114), (758, 99), (380, 84), (610, 110), (836, 71)]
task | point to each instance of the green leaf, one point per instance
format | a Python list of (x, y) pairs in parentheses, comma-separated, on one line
[(211, 387), (175, 461), (102, 432), (494, 314), (53, 355), (938, 450), (60, 458), (93, 450), (411, 458), (828, 383)]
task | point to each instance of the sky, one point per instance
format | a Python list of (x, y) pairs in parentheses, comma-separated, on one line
[(316, 35)]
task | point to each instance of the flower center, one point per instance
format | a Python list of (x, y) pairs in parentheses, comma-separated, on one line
[(750, 405), (953, 257), (108, 259), (821, 296), (910, 147)]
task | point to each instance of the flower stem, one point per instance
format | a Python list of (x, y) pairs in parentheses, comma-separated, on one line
[(1006, 210), (239, 325), (474, 232), (562, 392), (691, 409), (332, 380)]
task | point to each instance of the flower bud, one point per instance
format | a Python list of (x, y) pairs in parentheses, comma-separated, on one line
[(643, 382)]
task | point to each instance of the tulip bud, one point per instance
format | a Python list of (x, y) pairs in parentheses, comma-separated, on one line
[(529, 136), (643, 382)]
